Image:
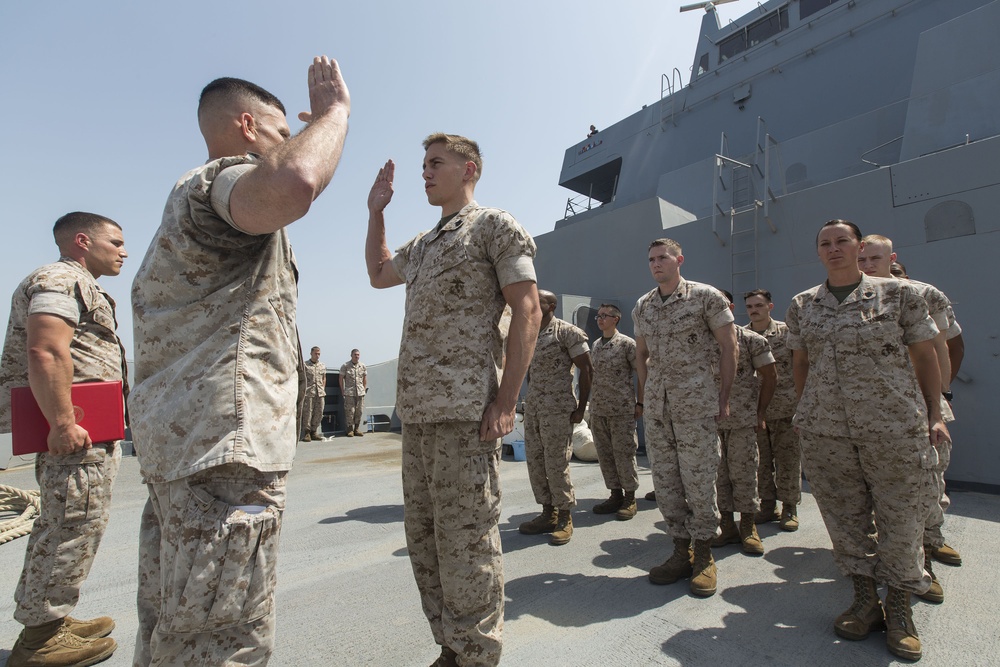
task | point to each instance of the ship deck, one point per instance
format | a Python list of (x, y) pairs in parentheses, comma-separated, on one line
[(346, 594)]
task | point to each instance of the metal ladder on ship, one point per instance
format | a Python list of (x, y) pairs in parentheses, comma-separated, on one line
[(745, 179)]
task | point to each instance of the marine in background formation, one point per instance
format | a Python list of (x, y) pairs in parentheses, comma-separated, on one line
[(779, 474), (869, 420), (614, 409), (550, 410), (353, 387), (736, 485), (686, 349), (312, 405)]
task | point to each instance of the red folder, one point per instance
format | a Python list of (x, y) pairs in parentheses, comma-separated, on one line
[(98, 406)]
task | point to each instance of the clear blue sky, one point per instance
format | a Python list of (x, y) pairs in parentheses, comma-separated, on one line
[(98, 113)]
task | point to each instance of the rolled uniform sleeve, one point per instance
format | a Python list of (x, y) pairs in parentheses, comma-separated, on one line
[(914, 319), (222, 190), (721, 317), (55, 303)]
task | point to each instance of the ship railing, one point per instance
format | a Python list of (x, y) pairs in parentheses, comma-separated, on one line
[(668, 86), (579, 204), (879, 147)]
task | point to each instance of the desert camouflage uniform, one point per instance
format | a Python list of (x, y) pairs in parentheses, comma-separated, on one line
[(312, 405), (354, 393), (450, 478), (863, 425), (682, 401), (943, 315), (612, 410), (737, 481), (75, 488), (548, 407), (219, 375), (779, 472)]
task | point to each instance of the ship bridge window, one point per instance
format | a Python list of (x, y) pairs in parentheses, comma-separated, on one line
[(703, 64), (754, 34), (810, 7)]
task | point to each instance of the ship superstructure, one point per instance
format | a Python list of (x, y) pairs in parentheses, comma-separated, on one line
[(883, 112)]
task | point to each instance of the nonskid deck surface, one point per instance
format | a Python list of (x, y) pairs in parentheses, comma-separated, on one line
[(346, 594)]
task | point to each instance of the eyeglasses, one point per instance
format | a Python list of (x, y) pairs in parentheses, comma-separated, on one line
[(602, 316)]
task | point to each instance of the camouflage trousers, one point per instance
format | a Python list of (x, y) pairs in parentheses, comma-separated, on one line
[(354, 406), (548, 448), (684, 460), (779, 473), (208, 547), (312, 414), (852, 478), (451, 495), (935, 518), (616, 444), (75, 503), (736, 485)]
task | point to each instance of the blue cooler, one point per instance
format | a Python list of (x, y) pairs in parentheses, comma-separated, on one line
[(518, 447)]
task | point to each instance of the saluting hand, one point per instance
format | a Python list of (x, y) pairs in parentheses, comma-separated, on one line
[(381, 192), (327, 89)]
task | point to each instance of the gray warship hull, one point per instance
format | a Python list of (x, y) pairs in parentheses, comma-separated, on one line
[(882, 112)]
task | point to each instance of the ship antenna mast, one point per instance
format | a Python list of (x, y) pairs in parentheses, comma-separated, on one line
[(708, 6)]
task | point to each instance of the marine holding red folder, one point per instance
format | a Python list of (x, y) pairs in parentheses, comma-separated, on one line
[(62, 351)]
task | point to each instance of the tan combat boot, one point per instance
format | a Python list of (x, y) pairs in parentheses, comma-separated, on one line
[(612, 504), (703, 573), (768, 512), (678, 566), (543, 523), (730, 533), (564, 528), (92, 629), (900, 634), (935, 593), (306, 438), (628, 508), (947, 555), (865, 613), (751, 542), (52, 645), (350, 433), (359, 433), (789, 519)]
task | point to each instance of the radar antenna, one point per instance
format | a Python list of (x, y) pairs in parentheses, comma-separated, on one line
[(707, 6)]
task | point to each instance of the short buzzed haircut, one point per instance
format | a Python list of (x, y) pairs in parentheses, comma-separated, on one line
[(673, 246), (728, 295), (459, 145), (355, 350), (758, 292), (897, 270), (314, 348), (73, 223), (229, 88), (878, 239), (615, 310)]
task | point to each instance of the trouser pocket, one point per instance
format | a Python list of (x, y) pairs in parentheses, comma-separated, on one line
[(224, 567)]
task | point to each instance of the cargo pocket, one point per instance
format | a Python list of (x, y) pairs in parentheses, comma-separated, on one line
[(77, 483), (479, 478), (224, 567)]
